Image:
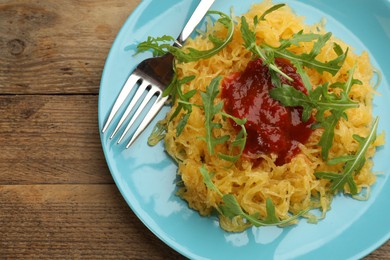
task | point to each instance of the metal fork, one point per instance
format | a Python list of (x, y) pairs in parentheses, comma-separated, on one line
[(153, 76)]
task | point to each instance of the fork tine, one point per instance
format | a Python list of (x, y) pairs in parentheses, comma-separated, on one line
[(130, 83), (152, 91), (158, 104), (134, 100)]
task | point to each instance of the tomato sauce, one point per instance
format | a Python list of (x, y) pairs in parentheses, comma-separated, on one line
[(271, 127)]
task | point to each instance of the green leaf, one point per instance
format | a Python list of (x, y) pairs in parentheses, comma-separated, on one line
[(321, 101), (351, 81), (158, 133), (297, 38), (270, 10), (183, 102), (271, 219), (329, 123), (326, 140), (352, 185), (341, 159), (289, 96), (319, 44), (271, 215), (318, 99), (239, 141), (353, 164), (268, 53), (305, 78), (162, 45), (207, 179), (158, 45), (249, 37), (231, 207), (309, 59), (337, 49), (327, 175), (210, 111), (183, 122), (191, 54), (176, 84), (171, 88)]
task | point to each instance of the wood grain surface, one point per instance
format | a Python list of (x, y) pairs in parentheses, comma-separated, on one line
[(57, 198)]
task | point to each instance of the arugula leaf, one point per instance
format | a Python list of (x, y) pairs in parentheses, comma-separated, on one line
[(210, 111), (174, 89), (158, 133), (350, 81), (305, 78), (326, 140), (162, 45), (154, 44), (207, 179), (183, 122), (270, 10), (239, 141), (231, 208), (353, 164), (309, 59), (268, 53), (183, 101), (249, 38), (319, 99), (299, 37), (271, 215), (329, 123), (160, 128)]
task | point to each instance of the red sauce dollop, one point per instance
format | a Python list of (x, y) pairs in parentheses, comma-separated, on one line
[(271, 127)]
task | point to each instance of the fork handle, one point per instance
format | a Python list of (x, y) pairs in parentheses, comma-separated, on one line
[(196, 17)]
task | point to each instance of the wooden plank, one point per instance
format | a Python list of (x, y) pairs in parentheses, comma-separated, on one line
[(79, 221), (381, 253), (50, 139), (72, 222), (57, 46)]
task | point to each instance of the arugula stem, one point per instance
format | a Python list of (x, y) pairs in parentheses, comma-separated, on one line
[(180, 101)]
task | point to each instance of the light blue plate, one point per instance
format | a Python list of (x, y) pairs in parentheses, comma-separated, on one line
[(146, 176)]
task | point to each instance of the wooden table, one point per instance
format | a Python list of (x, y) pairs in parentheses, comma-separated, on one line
[(57, 197)]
